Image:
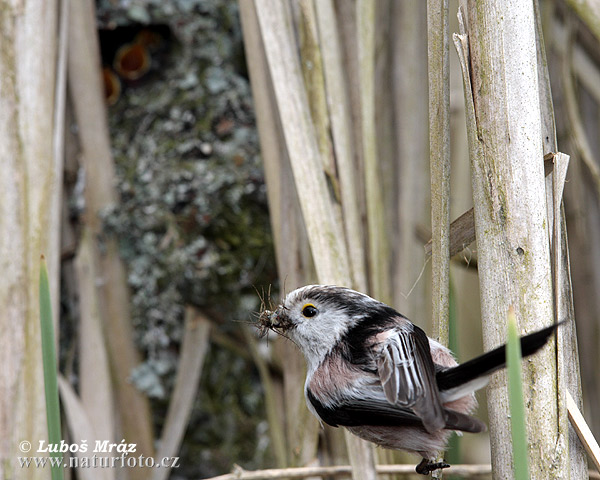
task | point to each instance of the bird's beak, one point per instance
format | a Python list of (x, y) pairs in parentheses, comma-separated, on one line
[(280, 321)]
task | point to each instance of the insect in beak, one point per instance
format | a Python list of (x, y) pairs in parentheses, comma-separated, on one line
[(267, 320), (272, 320)]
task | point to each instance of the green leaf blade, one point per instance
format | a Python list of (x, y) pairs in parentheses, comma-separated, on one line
[(50, 370), (517, 405)]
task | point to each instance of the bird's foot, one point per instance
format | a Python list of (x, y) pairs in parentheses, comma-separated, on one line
[(426, 466)]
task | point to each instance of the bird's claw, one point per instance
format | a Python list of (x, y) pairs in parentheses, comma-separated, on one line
[(426, 466)]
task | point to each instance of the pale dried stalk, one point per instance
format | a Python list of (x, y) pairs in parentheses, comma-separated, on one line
[(276, 431), (568, 370), (412, 150), (90, 112), (29, 186), (378, 254), (272, 147), (466, 471), (81, 428), (341, 130), (193, 352), (311, 63), (439, 164), (439, 145), (583, 66), (95, 385), (510, 214), (577, 130), (60, 100), (583, 431), (346, 18), (584, 234), (324, 230), (589, 13), (293, 258)]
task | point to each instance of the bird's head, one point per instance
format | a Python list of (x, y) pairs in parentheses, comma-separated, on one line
[(317, 317)]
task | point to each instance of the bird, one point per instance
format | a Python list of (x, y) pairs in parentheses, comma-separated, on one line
[(372, 371)]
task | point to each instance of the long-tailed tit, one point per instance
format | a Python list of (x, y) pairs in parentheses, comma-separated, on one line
[(374, 372)]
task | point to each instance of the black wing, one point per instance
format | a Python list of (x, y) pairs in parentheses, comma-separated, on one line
[(375, 412), (364, 412)]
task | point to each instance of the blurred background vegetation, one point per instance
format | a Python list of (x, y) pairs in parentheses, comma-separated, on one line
[(192, 218), (192, 226)]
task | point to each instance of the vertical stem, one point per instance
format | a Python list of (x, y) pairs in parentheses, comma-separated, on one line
[(378, 249), (341, 132), (324, 230), (29, 187), (439, 140), (300, 428), (58, 149), (191, 359), (511, 218), (573, 459), (412, 149), (439, 144), (90, 112)]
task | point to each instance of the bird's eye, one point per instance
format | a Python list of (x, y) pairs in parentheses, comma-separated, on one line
[(309, 310)]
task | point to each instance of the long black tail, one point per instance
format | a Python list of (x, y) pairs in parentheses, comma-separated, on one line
[(491, 361)]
